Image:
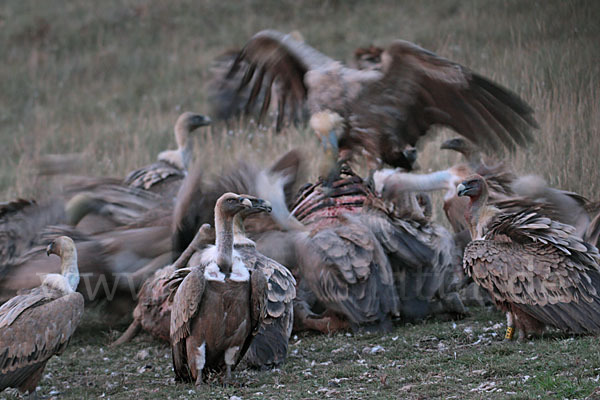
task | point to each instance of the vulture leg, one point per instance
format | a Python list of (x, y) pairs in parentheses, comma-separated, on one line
[(522, 336), (526, 325), (510, 326), (227, 375)]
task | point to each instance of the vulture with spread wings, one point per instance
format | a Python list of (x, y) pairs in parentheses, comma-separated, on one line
[(383, 110)]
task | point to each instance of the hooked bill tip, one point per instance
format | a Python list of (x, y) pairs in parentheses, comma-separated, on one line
[(247, 202)]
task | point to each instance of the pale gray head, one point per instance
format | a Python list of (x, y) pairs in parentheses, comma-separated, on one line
[(230, 204)]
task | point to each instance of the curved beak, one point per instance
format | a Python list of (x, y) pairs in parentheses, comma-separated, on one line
[(410, 155), (50, 249), (451, 144), (461, 190), (246, 202), (261, 205), (200, 120)]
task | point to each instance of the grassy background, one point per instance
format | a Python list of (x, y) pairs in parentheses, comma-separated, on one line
[(109, 80)]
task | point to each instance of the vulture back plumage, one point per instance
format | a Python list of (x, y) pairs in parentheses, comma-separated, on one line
[(361, 261), (37, 325), (533, 266)]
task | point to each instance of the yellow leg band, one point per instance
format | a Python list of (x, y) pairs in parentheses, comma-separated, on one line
[(509, 332)]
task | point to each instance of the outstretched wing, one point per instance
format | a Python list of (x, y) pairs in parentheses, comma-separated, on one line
[(420, 89), (20, 223), (269, 57)]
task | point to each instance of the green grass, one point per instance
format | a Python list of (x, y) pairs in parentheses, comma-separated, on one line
[(456, 359)]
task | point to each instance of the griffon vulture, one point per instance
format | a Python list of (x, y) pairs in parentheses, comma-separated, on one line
[(219, 305), (534, 267), (269, 348), (385, 110), (37, 325), (165, 175)]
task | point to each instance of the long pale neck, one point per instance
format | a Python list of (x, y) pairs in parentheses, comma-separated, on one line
[(78, 207), (422, 182), (69, 269), (239, 232), (224, 242), (184, 145)]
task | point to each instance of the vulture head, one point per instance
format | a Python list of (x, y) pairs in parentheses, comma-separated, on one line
[(61, 246), (186, 124), (64, 247), (258, 205), (474, 187), (230, 204), (476, 215)]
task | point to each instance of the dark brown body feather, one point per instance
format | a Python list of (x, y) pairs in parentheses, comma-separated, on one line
[(217, 315), (153, 310)]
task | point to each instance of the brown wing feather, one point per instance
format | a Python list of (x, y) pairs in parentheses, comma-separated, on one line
[(541, 280), (349, 272), (534, 224), (186, 303), (592, 234), (258, 299), (420, 89), (39, 332), (281, 58), (18, 304), (153, 175), (20, 223), (269, 347)]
